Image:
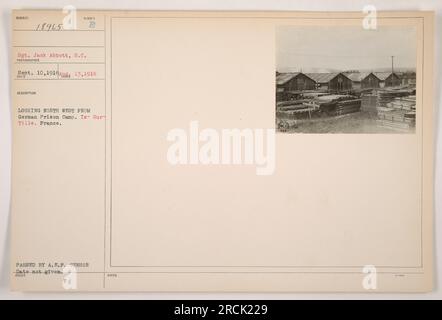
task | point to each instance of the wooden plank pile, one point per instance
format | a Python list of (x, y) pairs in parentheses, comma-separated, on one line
[(335, 105), (369, 103), (403, 103), (291, 105), (320, 105), (348, 106), (298, 112), (388, 95), (398, 112)]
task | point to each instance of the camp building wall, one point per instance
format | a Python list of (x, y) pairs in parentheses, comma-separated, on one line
[(392, 80), (299, 83), (370, 81), (340, 83)]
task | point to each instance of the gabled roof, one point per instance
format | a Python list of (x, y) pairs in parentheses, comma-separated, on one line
[(383, 75), (324, 77), (357, 76), (283, 78)]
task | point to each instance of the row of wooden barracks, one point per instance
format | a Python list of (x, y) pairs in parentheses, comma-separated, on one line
[(340, 82)]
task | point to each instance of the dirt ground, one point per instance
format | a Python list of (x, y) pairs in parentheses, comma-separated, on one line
[(358, 122)]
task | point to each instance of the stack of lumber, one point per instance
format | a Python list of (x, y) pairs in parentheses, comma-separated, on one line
[(396, 118), (396, 109), (348, 106), (322, 104), (289, 103), (313, 95), (302, 112), (359, 92), (397, 126), (403, 103), (388, 95), (369, 103), (334, 104), (290, 107)]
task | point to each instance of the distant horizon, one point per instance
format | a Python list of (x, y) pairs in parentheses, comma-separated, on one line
[(322, 70), (339, 48)]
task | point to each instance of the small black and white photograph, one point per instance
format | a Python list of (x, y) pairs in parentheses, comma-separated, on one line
[(346, 79)]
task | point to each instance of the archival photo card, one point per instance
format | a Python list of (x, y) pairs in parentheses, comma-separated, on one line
[(144, 153), (346, 79)]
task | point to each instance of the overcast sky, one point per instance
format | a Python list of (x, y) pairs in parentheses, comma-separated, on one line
[(312, 48)]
